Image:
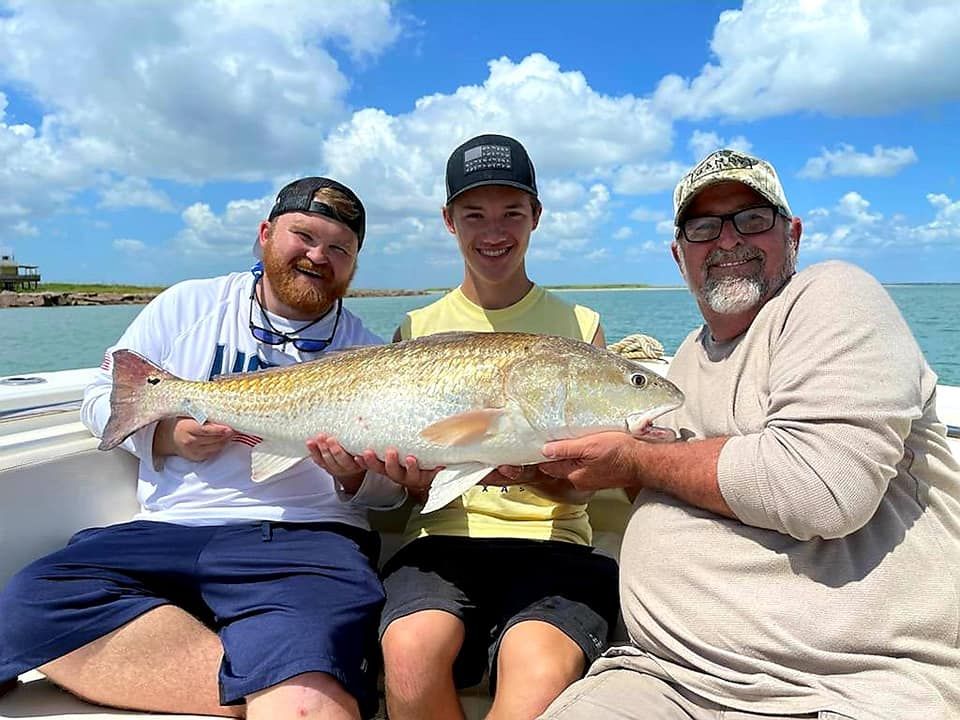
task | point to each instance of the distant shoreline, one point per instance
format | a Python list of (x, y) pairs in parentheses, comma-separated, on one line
[(69, 295), (131, 296), (75, 294)]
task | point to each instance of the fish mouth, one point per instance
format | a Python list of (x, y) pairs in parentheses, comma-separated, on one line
[(638, 423)]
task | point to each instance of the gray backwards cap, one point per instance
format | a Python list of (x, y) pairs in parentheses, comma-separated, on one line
[(298, 197), (730, 166)]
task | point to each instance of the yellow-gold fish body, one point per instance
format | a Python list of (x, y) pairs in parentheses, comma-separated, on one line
[(466, 401)]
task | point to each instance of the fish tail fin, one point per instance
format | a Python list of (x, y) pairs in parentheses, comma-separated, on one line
[(132, 400)]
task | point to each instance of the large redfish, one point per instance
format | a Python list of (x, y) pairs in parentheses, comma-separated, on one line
[(466, 401)]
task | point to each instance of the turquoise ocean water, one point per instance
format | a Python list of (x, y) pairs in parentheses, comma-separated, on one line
[(43, 339)]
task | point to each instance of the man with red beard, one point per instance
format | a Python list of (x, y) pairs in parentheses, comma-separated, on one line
[(223, 596), (794, 555)]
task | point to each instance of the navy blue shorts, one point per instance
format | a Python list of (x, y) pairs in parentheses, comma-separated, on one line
[(492, 584), (285, 598)]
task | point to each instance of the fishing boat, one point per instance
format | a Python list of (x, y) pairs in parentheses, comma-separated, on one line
[(54, 481)]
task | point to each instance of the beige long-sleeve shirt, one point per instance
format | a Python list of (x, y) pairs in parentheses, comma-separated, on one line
[(838, 589)]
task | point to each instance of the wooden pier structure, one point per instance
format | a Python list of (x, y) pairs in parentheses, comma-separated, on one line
[(17, 277)]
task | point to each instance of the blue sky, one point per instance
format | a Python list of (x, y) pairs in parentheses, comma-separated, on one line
[(142, 142)]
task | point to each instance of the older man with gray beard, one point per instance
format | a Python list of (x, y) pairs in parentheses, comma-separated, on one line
[(797, 552)]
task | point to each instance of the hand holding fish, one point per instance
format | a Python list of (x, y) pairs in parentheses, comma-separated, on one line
[(601, 460), (189, 439), (408, 473), (342, 466), (558, 489)]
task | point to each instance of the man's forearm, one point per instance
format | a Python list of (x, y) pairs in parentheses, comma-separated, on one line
[(685, 470)]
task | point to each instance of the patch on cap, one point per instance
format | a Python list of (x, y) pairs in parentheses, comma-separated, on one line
[(730, 166), (487, 157), (720, 161)]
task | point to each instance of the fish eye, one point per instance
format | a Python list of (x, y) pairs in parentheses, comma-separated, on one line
[(638, 380)]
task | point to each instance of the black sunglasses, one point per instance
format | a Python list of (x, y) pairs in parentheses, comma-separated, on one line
[(751, 221), (271, 336)]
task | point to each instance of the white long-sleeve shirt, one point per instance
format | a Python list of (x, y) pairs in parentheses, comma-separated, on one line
[(197, 330)]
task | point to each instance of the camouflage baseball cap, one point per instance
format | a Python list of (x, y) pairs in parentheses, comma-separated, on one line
[(730, 166)]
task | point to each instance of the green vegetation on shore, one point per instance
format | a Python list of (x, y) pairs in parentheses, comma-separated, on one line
[(97, 288)]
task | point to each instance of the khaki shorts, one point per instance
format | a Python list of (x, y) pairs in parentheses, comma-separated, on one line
[(630, 695)]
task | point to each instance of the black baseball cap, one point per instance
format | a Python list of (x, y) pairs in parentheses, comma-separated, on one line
[(298, 197), (490, 160)]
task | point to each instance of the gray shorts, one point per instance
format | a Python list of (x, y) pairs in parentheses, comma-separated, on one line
[(621, 694), (493, 584)]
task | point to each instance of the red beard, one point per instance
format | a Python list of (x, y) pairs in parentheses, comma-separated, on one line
[(310, 295)]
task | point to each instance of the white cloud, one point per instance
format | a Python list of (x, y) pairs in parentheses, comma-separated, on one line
[(947, 210), (855, 206), (665, 227), (396, 163), (561, 192), (944, 228), (647, 178), (571, 231), (129, 246), (643, 250), (623, 233), (232, 233), (850, 229), (195, 90), (172, 89), (163, 90), (135, 192), (703, 143), (25, 229), (845, 161), (840, 57)]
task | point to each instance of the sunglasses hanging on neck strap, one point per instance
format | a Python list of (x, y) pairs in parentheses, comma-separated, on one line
[(271, 336)]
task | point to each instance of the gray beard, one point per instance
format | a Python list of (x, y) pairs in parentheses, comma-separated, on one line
[(733, 295)]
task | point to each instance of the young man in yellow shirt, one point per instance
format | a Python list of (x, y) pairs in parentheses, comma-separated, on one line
[(501, 579)]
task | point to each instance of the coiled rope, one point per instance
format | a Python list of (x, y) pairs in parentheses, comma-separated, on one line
[(638, 347)]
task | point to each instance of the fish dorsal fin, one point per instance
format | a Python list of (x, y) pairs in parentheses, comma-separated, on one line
[(463, 428), (452, 482), (269, 459)]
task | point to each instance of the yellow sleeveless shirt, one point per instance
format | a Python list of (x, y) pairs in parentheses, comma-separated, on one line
[(517, 511)]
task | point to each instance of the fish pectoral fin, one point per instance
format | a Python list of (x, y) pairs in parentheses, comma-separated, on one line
[(463, 428), (452, 482), (268, 459)]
